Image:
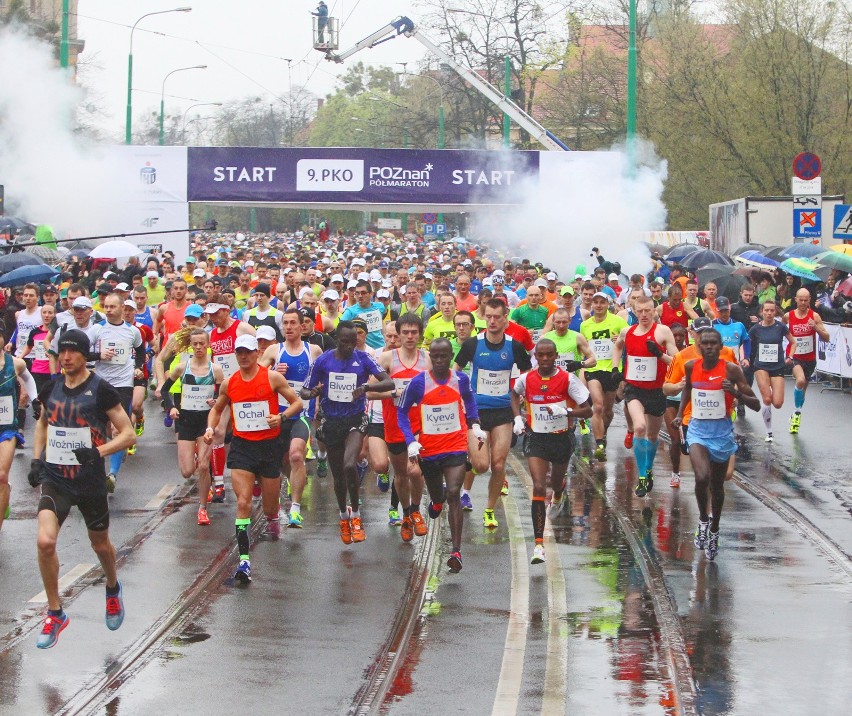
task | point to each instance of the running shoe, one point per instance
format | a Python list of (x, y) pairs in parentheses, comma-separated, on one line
[(675, 481), (383, 481), (700, 540), (642, 488), (505, 489), (769, 438), (218, 492), (362, 470), (407, 529), (420, 528), (167, 421), (322, 467), (584, 427), (489, 520), (295, 520), (556, 506), (538, 554), (394, 520), (203, 519), (435, 510), (110, 483), (740, 410), (115, 610), (345, 531), (131, 450), (358, 534), (600, 452), (650, 480), (53, 626), (712, 547), (455, 562), (36, 410), (466, 503), (795, 422), (256, 490), (140, 425), (243, 573), (628, 440)]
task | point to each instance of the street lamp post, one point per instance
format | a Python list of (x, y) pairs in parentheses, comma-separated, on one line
[(193, 106), (163, 97), (129, 118), (631, 77), (63, 43)]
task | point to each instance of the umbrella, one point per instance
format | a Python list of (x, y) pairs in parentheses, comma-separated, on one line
[(727, 281), (9, 262), (774, 253), (79, 253), (845, 287), (802, 251), (661, 249), (702, 257), (755, 258), (50, 255), (13, 223), (832, 259), (805, 269), (388, 235), (27, 274), (843, 249), (460, 240), (115, 250), (676, 253), (747, 247)]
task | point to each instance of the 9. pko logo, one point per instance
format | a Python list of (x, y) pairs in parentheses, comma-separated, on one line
[(148, 174)]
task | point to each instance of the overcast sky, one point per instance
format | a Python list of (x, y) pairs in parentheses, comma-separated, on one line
[(242, 44)]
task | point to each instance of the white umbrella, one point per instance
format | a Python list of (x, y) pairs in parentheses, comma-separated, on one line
[(115, 250)]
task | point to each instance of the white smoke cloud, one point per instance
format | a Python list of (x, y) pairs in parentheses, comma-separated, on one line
[(584, 200)]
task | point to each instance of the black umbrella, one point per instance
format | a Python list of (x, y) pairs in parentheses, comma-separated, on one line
[(675, 255), (724, 277), (775, 253), (13, 223), (749, 247), (10, 262), (703, 257), (79, 253)]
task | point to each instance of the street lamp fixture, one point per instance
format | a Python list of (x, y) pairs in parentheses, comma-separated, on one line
[(193, 106), (129, 119), (163, 96)]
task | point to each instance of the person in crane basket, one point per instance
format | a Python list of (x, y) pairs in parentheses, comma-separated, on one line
[(322, 21)]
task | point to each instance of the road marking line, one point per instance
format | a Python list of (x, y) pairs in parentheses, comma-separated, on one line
[(161, 497), (555, 693), (65, 581), (512, 668)]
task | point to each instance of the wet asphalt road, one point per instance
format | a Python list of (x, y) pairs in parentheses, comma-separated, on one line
[(766, 627)]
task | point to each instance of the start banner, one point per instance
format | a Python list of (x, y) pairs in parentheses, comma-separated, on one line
[(834, 356)]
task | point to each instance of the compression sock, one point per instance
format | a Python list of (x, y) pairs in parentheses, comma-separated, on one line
[(115, 461), (799, 398), (217, 460), (642, 448), (243, 525), (651, 455), (22, 418), (394, 497), (766, 414), (538, 514)]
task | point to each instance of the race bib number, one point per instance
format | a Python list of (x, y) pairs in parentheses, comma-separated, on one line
[(440, 419), (228, 363), (295, 385), (544, 422), (61, 443), (767, 352), (7, 410), (251, 417), (21, 343), (121, 349), (39, 352), (373, 319), (563, 359), (400, 384), (195, 397), (641, 368), (602, 348), (537, 334), (804, 344), (492, 382), (708, 404), (341, 386)]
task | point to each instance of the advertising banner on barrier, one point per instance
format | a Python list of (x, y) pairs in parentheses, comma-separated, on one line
[(308, 175), (834, 357)]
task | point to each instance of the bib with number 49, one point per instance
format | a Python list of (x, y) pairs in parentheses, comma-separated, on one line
[(641, 368)]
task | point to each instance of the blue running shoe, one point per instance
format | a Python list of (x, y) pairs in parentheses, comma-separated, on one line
[(167, 421), (295, 520), (115, 610), (243, 573), (51, 630), (322, 466), (383, 481), (466, 503), (362, 470)]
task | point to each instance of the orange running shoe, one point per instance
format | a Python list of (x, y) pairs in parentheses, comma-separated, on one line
[(628, 440), (420, 528), (406, 531), (346, 531), (358, 534), (203, 519)]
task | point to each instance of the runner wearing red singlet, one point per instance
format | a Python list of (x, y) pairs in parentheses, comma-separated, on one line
[(447, 410), (673, 310), (402, 365), (649, 349), (805, 325), (170, 314)]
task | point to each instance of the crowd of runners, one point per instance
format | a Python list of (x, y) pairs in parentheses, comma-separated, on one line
[(423, 362)]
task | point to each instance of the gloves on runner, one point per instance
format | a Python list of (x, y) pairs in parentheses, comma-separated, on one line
[(87, 455), (478, 432), (414, 449), (519, 428), (617, 375), (653, 348), (572, 366), (34, 475), (559, 410)]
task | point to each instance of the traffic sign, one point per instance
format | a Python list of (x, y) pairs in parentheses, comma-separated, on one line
[(430, 218), (842, 221), (807, 223), (436, 229), (807, 166), (809, 187)]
